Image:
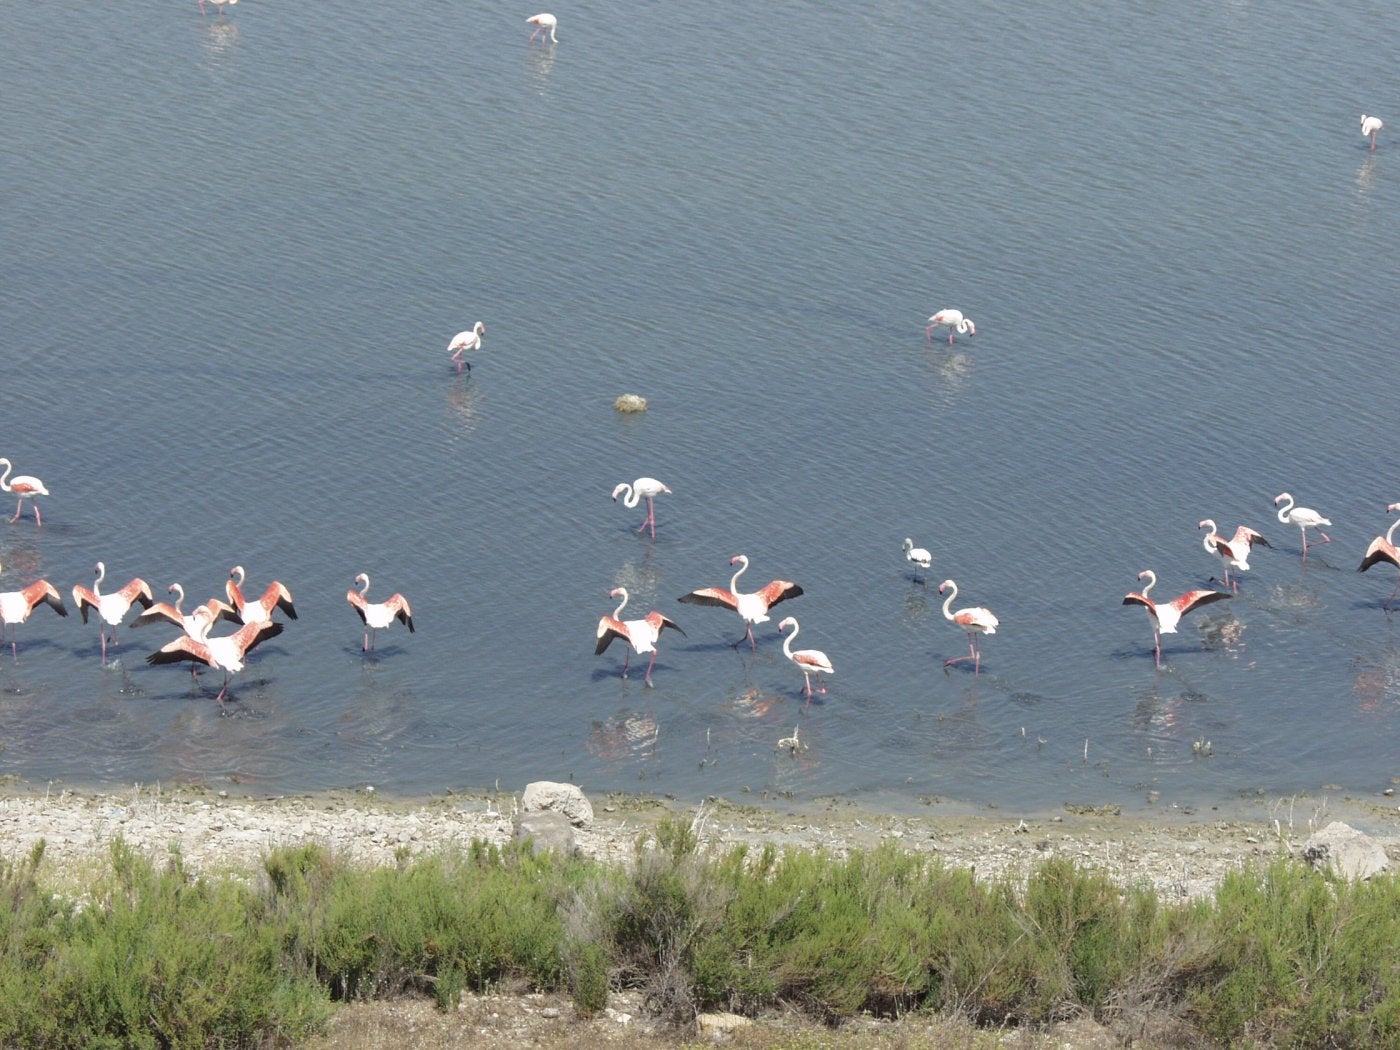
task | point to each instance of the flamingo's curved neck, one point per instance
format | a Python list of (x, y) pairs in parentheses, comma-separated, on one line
[(1390, 532), (1205, 542), (631, 497), (617, 613), (5, 477), (788, 639), (743, 568), (1151, 581), (948, 603), (179, 593), (1286, 510), (101, 575), (364, 585)]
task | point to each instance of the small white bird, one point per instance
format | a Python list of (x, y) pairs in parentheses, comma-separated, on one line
[(790, 743), (543, 24), (809, 661), (1369, 127), (955, 321), (1304, 517), (642, 488), (917, 556), (464, 341), (376, 615)]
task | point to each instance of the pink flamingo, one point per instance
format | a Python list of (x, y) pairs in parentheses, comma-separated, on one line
[(26, 488), (955, 321), (1166, 615), (1234, 553), (226, 653), (164, 612), (249, 611), (642, 488), (1369, 127), (1304, 517), (809, 661), (376, 615), (974, 620), (1382, 548), (752, 607), (111, 609), (543, 24), (15, 607), (464, 341), (640, 635)]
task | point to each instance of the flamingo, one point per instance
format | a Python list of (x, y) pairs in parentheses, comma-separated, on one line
[(378, 614), (15, 607), (1234, 553), (111, 608), (543, 24), (167, 613), (26, 488), (1369, 127), (955, 321), (753, 607), (974, 620), (226, 653), (217, 3), (1304, 517), (275, 597), (809, 661), (1382, 548), (643, 488), (1166, 615), (640, 635), (919, 556), (464, 341)]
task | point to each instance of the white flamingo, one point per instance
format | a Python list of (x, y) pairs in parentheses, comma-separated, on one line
[(218, 4), (809, 661), (15, 607), (543, 24), (276, 596), (1382, 548), (164, 612), (1233, 553), (974, 620), (753, 607), (26, 487), (1304, 517), (227, 653), (464, 341), (111, 609), (642, 489), (917, 556), (955, 321), (1369, 127), (377, 615), (640, 635), (1166, 615)]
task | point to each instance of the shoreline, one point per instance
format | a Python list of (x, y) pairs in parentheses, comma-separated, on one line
[(217, 832)]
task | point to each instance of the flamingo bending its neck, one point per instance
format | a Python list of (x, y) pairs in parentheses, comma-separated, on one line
[(15, 607), (543, 24), (1166, 615), (226, 653), (752, 607), (955, 321), (26, 488), (464, 341), (111, 608), (376, 615), (974, 620), (1234, 553), (1304, 517), (917, 556), (642, 488), (640, 635), (1369, 127), (1382, 548), (809, 661), (260, 610)]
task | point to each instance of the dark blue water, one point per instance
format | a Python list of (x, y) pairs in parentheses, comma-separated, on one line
[(235, 249)]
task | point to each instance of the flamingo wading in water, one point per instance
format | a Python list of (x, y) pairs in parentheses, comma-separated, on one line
[(15, 607), (464, 341), (164, 612), (642, 489), (809, 661), (640, 635), (974, 620), (1304, 517), (919, 557), (955, 321), (543, 24), (1234, 553), (752, 607), (249, 611), (1369, 127), (226, 653), (376, 615), (1166, 615), (26, 488), (111, 608), (1382, 548)]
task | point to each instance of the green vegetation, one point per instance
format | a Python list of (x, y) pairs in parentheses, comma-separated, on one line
[(149, 956)]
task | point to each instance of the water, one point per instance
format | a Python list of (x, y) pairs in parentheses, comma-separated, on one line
[(235, 250)]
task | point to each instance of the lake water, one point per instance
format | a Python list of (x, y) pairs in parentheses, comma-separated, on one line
[(235, 248)]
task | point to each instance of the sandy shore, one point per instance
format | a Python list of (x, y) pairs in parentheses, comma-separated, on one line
[(1179, 855)]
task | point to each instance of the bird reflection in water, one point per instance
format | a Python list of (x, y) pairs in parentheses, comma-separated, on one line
[(630, 736), (220, 39), (462, 403)]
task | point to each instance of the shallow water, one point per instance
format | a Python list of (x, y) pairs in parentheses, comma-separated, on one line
[(236, 249)]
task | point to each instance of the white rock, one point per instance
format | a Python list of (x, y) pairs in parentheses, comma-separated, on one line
[(567, 799), (1344, 851)]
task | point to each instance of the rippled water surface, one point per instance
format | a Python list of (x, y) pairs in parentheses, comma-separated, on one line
[(235, 249)]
